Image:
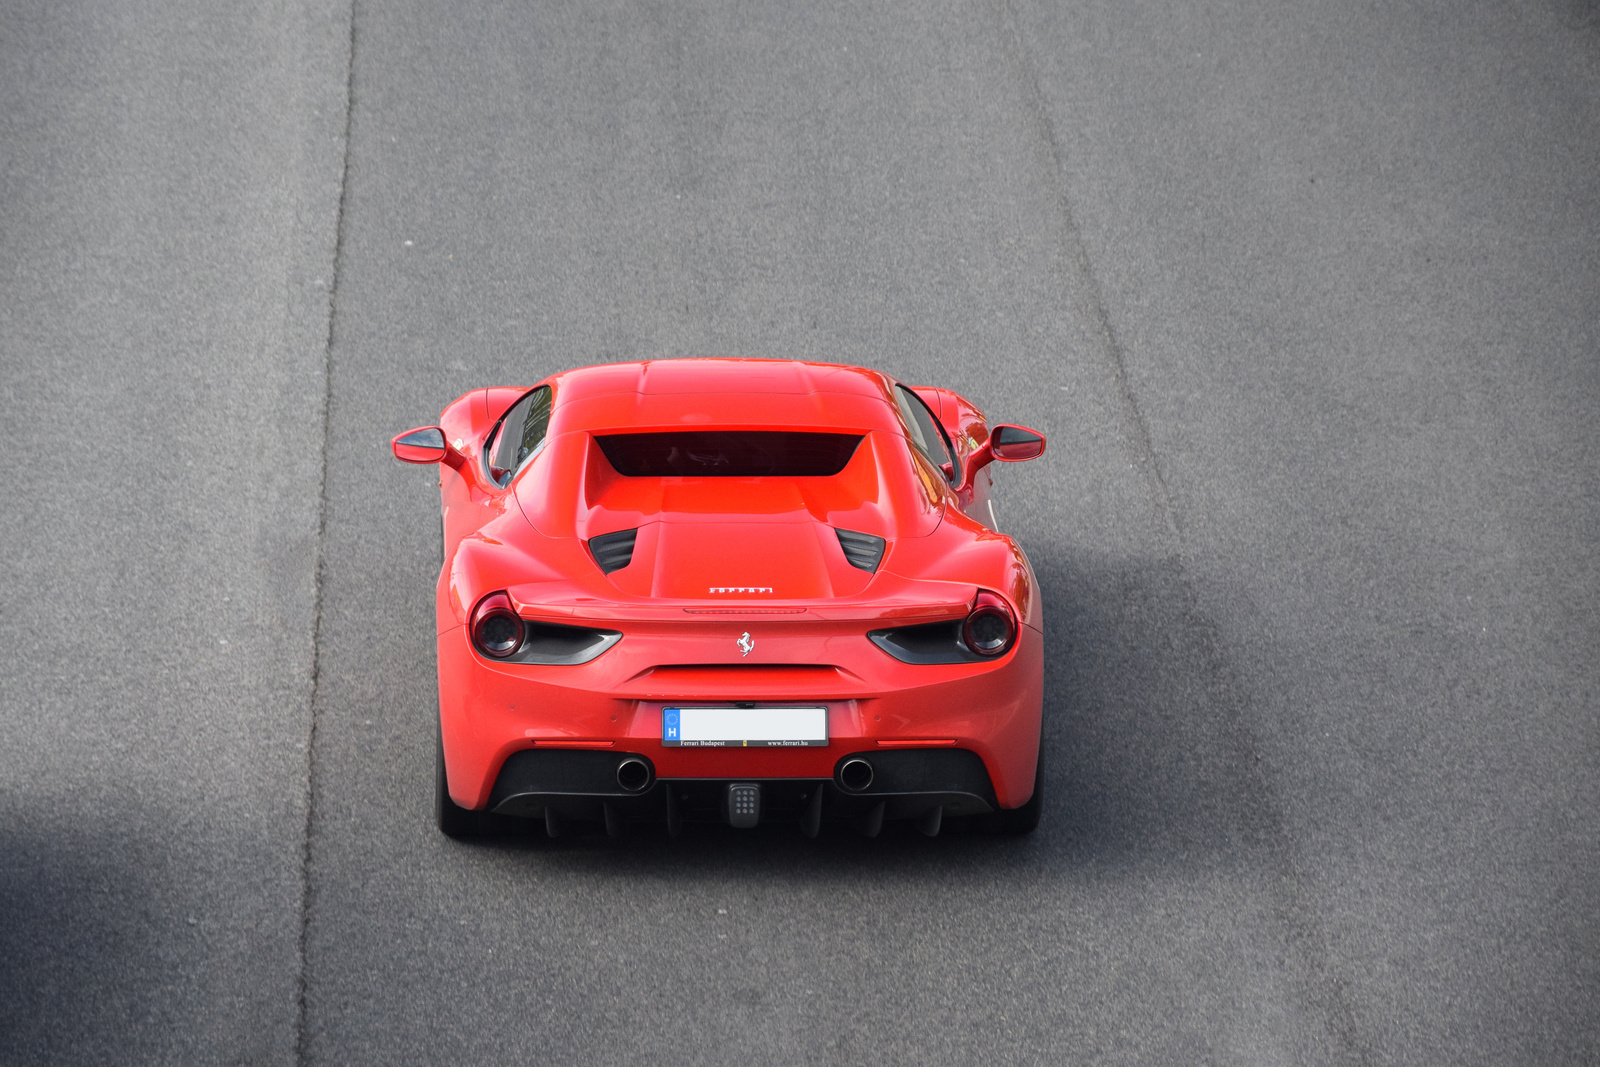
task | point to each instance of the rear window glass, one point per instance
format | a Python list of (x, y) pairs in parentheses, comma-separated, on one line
[(729, 453)]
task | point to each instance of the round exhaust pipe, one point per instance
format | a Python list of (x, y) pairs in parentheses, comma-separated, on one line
[(633, 774), (855, 774)]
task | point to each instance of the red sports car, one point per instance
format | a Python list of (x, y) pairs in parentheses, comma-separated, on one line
[(731, 590)]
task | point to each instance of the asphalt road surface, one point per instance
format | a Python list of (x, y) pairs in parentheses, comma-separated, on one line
[(1306, 296)]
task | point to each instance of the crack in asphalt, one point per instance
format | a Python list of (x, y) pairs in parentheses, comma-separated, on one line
[(1092, 304), (1261, 819), (301, 1033)]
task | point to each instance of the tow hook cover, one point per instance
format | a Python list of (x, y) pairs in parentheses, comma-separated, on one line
[(744, 804)]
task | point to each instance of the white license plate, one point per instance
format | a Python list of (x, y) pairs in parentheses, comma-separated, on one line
[(744, 727)]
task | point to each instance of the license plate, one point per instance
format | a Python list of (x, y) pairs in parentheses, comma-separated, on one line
[(744, 727)]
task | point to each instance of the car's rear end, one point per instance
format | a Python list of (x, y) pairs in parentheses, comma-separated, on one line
[(736, 609), (679, 703)]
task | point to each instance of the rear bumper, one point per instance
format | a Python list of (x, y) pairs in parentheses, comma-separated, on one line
[(576, 785), (612, 706)]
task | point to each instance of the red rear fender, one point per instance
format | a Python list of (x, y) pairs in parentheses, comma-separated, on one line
[(468, 419)]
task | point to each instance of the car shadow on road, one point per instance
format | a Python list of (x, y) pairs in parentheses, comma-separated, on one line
[(74, 923)]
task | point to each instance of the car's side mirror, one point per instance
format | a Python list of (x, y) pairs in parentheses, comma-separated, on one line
[(1015, 443), (425, 444), (1010, 443)]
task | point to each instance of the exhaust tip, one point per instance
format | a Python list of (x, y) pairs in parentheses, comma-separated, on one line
[(633, 774), (855, 774)]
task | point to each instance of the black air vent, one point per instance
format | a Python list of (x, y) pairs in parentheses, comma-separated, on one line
[(613, 551), (929, 642), (862, 550)]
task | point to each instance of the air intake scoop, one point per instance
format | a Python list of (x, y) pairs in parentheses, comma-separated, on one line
[(613, 551), (862, 550)]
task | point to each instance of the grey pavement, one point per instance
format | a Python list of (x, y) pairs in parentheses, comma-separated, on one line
[(1306, 297)]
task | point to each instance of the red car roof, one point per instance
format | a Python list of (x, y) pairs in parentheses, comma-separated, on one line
[(667, 376), (742, 393)]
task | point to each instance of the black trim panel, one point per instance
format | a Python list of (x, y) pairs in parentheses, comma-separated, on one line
[(902, 771), (554, 645), (929, 642), (581, 784)]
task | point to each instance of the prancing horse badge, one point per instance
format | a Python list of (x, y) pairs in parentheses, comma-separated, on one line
[(745, 644)]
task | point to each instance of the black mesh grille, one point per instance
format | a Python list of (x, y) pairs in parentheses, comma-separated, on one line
[(929, 642), (613, 551), (862, 550)]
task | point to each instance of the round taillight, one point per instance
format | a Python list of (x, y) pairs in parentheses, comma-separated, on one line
[(989, 629), (496, 628)]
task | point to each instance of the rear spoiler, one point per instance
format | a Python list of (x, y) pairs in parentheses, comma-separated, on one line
[(898, 599)]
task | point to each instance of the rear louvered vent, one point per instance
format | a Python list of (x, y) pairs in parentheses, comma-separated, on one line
[(862, 550), (613, 551)]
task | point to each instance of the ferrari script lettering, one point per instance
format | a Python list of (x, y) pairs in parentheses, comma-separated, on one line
[(741, 589)]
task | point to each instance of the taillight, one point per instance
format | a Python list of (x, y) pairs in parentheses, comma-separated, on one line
[(989, 629), (496, 628)]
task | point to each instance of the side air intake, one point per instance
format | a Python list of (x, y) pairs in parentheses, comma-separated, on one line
[(614, 551), (862, 550)]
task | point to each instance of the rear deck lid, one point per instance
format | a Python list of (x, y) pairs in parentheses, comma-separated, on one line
[(739, 562)]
